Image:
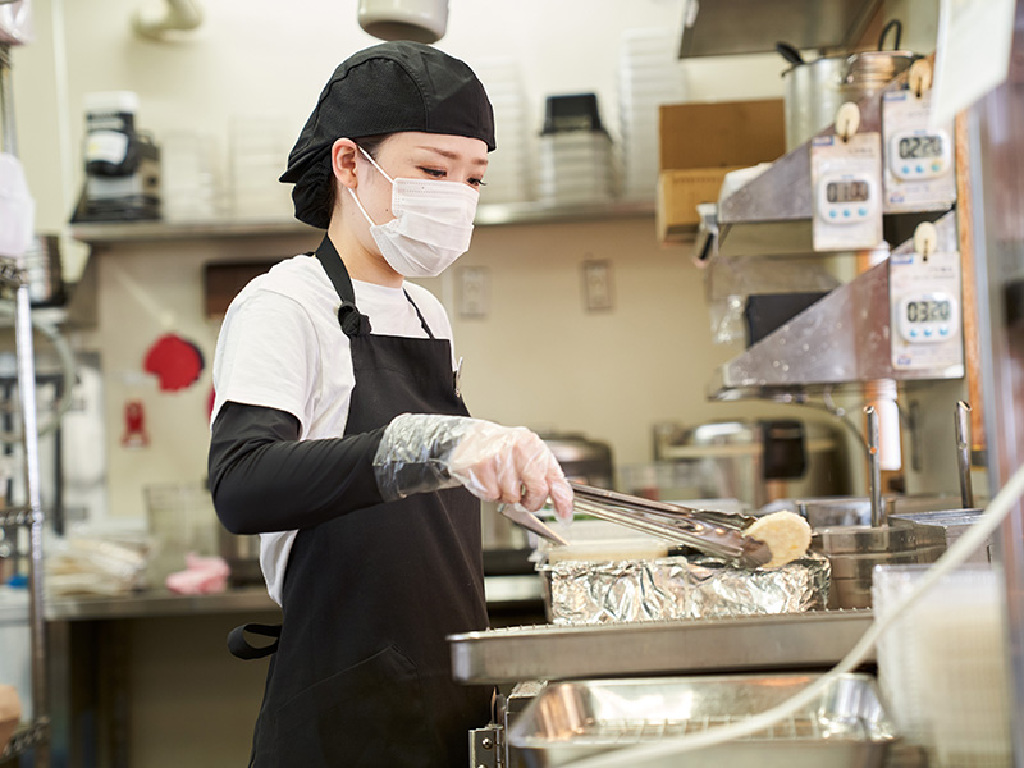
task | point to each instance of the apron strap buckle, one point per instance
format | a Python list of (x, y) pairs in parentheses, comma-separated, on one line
[(240, 647)]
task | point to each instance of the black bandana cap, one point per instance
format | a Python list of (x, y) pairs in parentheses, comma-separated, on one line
[(386, 88)]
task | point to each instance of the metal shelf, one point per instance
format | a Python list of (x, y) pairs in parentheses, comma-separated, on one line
[(491, 214), (12, 279)]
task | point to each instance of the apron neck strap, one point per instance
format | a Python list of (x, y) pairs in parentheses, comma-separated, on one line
[(423, 320), (352, 322)]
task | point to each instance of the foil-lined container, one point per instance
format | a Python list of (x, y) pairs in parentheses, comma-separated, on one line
[(679, 587)]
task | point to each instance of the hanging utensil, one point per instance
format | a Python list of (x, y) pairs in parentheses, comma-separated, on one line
[(893, 24), (790, 53), (963, 455), (875, 466)]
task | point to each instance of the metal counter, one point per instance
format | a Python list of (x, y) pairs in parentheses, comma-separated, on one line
[(89, 654), (499, 591), (801, 641)]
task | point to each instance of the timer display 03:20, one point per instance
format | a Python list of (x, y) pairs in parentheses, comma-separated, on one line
[(928, 311)]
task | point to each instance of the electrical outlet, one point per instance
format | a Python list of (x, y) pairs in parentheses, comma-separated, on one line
[(474, 290), (597, 286)]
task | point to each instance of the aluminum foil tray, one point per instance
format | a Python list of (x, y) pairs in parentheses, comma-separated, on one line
[(682, 587), (567, 722)]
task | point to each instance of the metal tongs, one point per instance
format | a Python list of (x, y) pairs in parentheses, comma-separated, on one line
[(522, 517), (715, 533)]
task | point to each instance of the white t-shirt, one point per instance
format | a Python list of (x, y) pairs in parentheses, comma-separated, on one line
[(281, 346)]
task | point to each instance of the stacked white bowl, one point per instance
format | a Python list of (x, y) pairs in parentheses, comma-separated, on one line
[(508, 178), (575, 167), (650, 74)]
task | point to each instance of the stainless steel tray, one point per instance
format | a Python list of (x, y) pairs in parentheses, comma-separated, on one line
[(795, 641), (569, 721)]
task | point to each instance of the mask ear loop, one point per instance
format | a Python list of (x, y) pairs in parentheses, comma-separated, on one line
[(374, 164), (353, 194), (360, 207)]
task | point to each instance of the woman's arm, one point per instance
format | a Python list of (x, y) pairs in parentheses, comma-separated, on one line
[(263, 478)]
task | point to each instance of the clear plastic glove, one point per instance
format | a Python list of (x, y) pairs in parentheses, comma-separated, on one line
[(425, 452)]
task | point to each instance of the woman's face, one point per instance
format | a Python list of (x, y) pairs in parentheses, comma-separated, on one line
[(410, 155)]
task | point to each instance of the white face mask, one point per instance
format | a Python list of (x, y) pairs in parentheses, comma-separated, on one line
[(432, 226)]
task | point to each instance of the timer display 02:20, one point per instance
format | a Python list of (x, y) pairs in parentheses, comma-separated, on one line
[(920, 147)]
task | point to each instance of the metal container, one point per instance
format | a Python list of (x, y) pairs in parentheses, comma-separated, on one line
[(808, 641), (854, 550), (758, 461), (813, 93), (242, 553), (949, 525), (569, 721), (582, 459), (814, 90), (868, 72), (44, 272)]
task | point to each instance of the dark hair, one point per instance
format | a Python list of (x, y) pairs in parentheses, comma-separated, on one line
[(372, 145)]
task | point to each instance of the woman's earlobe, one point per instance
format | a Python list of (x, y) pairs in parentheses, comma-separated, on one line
[(343, 158)]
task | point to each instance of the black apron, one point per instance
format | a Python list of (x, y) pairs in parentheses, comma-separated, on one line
[(362, 670)]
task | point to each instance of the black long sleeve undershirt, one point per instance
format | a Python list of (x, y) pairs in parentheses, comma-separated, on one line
[(263, 478)]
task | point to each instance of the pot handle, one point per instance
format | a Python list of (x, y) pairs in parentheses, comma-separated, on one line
[(893, 24), (790, 53)]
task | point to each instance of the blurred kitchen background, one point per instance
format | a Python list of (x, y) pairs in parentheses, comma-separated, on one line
[(226, 101), (579, 310)]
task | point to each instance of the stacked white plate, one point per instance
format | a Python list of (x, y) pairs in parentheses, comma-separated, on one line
[(575, 167), (258, 155), (508, 178), (188, 186), (650, 74)]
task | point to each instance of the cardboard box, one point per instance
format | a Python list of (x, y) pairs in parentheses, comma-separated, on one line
[(679, 193), (717, 134), (698, 144)]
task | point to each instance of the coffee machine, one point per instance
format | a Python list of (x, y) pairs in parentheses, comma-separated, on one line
[(122, 164)]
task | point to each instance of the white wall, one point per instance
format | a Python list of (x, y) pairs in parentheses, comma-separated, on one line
[(257, 57)]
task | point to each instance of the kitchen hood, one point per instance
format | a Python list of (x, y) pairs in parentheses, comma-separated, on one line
[(737, 27), (842, 338)]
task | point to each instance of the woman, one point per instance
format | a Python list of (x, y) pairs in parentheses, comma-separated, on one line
[(339, 433)]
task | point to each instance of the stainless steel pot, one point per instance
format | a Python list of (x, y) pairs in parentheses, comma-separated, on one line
[(813, 94), (242, 554), (814, 90), (44, 272), (582, 460), (757, 460)]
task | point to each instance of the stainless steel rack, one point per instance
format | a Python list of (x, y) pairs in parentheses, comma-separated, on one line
[(33, 737)]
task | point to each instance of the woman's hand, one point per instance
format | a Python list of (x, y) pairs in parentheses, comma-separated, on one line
[(423, 453), (511, 465)]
